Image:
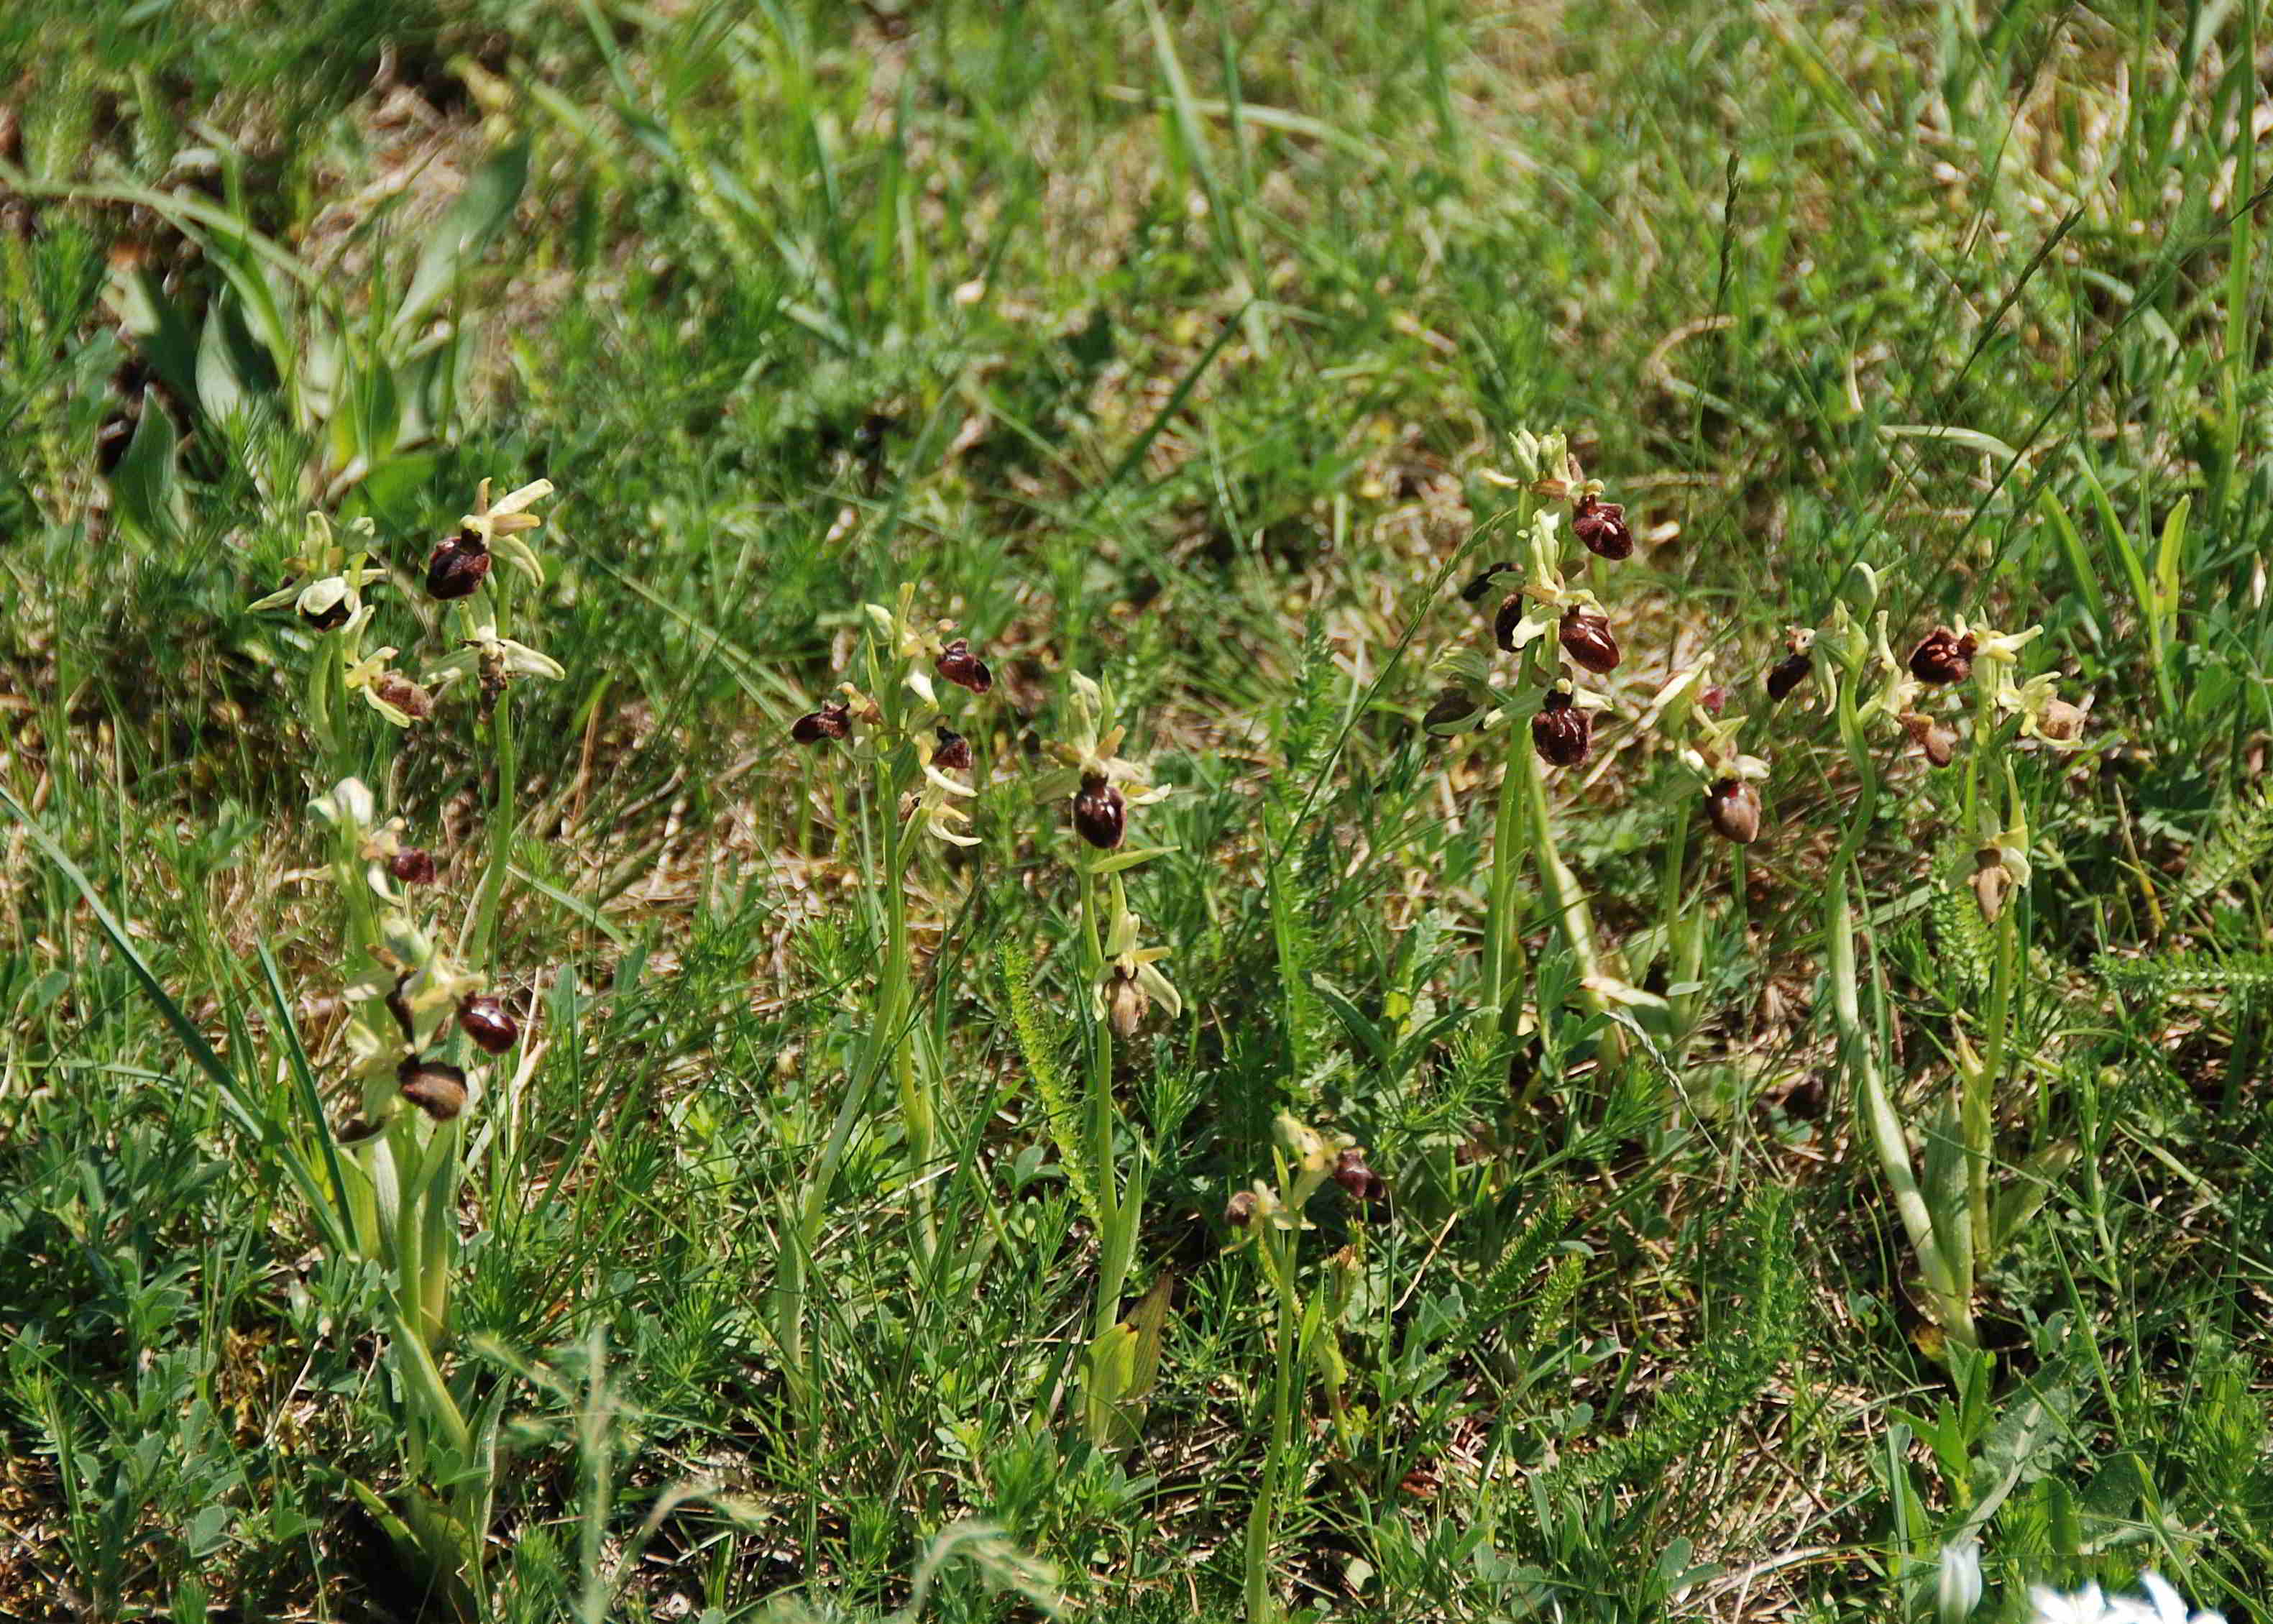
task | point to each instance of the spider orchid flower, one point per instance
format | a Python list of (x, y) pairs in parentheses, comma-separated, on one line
[(327, 580), (926, 651), (2000, 865), (499, 527), (396, 698), (1091, 752), (492, 658), (936, 808), (1536, 608), (1714, 756)]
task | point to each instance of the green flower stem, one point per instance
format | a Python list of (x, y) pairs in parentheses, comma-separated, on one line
[(876, 1053), (1503, 958), (1977, 1083), (503, 748), (1112, 1253), (1277, 1249), (440, 1237), (327, 688), (1564, 895), (1950, 1296), (919, 1108), (1685, 926)]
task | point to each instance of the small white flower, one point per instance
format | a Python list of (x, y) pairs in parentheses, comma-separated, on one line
[(1957, 1582), (349, 806), (2161, 1605)]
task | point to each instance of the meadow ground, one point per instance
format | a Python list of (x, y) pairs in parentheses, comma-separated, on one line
[(1573, 1129)]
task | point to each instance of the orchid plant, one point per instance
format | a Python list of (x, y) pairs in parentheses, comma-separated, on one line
[(1955, 1226), (421, 1039), (897, 726)]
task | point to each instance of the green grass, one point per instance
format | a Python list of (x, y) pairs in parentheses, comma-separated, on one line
[(1169, 344)]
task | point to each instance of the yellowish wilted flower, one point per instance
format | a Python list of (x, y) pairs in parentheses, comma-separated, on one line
[(1132, 981), (2044, 715)]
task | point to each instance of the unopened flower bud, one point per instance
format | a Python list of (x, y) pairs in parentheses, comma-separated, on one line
[(951, 750), (1601, 528), (1733, 807), (1455, 708), (405, 696), (1943, 657), (1588, 639), (412, 865), (1788, 673), (1936, 738), (1100, 814), (1561, 732), (482, 1019), (833, 720), (1482, 583), (457, 565), (435, 1086), (959, 666)]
